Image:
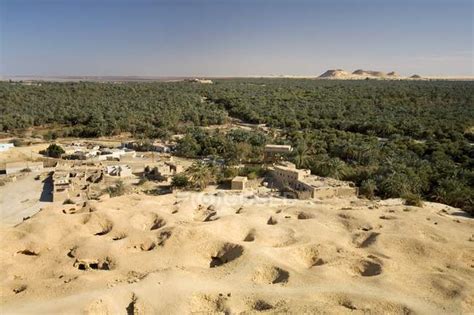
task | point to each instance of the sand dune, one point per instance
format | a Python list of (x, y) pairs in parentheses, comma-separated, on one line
[(337, 73), (207, 253), (369, 73), (361, 74)]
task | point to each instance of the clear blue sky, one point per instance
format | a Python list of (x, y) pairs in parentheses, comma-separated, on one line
[(235, 37)]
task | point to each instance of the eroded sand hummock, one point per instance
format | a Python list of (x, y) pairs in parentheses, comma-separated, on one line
[(181, 253)]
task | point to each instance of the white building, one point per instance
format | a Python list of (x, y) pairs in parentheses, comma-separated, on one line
[(160, 147), (118, 170), (5, 146), (16, 167), (115, 154)]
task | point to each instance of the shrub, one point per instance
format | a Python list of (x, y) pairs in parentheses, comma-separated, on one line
[(230, 172), (413, 200), (142, 181), (257, 170), (368, 188), (116, 190), (18, 142), (180, 181), (50, 135), (252, 175), (54, 151), (456, 194)]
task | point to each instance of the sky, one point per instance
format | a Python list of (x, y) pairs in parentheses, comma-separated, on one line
[(235, 37)]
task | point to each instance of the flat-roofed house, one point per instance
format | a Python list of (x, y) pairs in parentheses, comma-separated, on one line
[(115, 154), (16, 167), (307, 186), (275, 152), (160, 147), (6, 146), (238, 183)]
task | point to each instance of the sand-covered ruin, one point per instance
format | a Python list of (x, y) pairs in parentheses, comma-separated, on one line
[(238, 252)]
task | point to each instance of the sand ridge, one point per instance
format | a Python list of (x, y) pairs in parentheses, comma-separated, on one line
[(176, 254), (361, 74)]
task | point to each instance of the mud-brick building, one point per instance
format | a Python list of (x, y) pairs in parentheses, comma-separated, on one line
[(304, 185)]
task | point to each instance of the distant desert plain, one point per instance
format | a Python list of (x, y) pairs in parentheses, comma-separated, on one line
[(338, 74)]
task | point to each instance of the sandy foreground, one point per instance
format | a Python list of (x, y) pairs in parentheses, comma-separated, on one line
[(238, 253)]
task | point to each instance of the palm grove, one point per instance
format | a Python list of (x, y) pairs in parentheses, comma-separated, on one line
[(393, 139)]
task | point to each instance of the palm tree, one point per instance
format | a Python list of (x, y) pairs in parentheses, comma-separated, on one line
[(301, 155), (368, 188), (302, 152), (335, 168), (395, 185), (200, 175)]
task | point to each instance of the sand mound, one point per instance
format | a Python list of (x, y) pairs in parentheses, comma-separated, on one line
[(205, 214), (133, 255), (415, 76), (305, 215), (364, 239), (99, 306), (250, 236), (93, 263), (98, 224), (147, 221), (261, 306), (358, 74), (350, 302), (222, 253), (368, 268), (208, 304), (336, 74), (308, 255), (270, 275), (141, 243), (137, 306), (272, 221), (369, 73)]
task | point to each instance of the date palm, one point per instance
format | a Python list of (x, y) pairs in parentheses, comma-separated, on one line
[(301, 155), (200, 175)]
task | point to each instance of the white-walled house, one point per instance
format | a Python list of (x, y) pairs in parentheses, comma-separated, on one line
[(6, 146)]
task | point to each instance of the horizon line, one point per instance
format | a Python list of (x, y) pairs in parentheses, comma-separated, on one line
[(72, 78)]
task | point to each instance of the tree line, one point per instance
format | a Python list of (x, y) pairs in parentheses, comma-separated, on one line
[(392, 138)]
